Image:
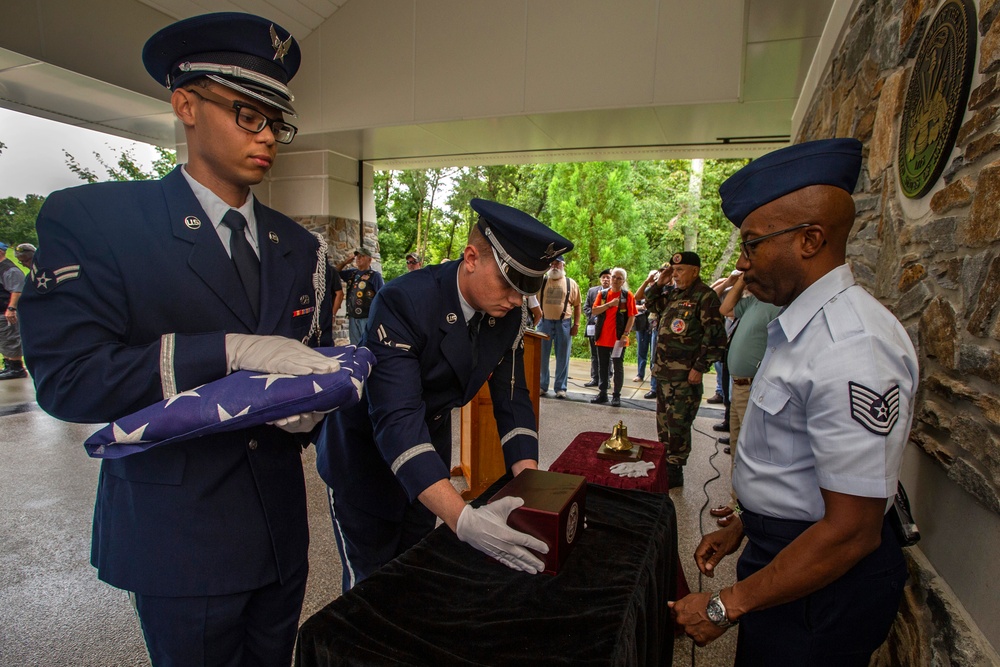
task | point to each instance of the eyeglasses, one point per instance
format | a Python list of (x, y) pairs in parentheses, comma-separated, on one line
[(617, 277), (747, 247), (412, 261), (249, 118)]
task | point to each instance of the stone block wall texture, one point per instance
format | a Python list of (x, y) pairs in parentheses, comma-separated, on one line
[(342, 237), (935, 265)]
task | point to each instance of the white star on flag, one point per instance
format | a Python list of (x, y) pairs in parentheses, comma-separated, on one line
[(121, 435), (225, 416), (359, 385), (183, 394), (272, 378), (316, 387)]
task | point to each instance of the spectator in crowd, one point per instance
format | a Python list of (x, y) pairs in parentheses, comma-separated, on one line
[(362, 284), (413, 262), (642, 338), (691, 338), (25, 253), (746, 349), (616, 311), (560, 302), (438, 336), (11, 285), (143, 291), (534, 309), (663, 275), (818, 459), (604, 281)]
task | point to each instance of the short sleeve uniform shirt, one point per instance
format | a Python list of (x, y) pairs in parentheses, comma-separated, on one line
[(830, 406)]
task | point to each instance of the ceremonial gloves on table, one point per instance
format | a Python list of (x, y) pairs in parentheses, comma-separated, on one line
[(277, 354), (486, 529), (633, 468)]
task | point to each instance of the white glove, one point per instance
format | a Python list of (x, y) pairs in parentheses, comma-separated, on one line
[(486, 529), (300, 423), (633, 468), (275, 354)]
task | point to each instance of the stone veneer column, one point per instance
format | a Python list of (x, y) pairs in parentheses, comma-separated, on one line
[(320, 190)]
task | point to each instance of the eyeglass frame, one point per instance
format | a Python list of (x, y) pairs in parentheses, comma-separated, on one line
[(238, 107), (746, 247), (412, 261)]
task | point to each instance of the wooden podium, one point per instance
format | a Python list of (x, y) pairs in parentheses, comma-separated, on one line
[(482, 456)]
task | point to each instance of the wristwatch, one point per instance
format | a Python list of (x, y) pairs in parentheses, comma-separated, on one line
[(12, 308), (716, 612)]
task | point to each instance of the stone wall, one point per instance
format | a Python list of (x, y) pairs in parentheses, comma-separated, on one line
[(936, 265), (934, 262), (342, 239)]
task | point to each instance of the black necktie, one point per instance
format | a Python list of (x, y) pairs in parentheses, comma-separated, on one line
[(474, 336), (247, 264)]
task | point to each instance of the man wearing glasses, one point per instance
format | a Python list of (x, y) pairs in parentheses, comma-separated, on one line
[(144, 290), (819, 454), (413, 262)]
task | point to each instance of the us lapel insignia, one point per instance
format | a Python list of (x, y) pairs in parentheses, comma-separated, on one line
[(304, 299), (191, 222), (273, 237), (452, 318), (492, 321)]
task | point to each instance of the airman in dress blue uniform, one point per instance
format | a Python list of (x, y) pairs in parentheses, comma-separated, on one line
[(439, 334), (818, 458), (142, 291)]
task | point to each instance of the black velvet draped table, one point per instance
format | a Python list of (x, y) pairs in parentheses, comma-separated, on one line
[(444, 603)]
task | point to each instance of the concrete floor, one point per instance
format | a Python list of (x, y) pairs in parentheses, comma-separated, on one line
[(54, 612)]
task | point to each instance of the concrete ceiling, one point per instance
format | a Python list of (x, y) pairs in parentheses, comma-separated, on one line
[(416, 83)]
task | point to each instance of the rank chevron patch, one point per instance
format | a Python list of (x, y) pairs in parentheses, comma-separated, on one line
[(876, 412)]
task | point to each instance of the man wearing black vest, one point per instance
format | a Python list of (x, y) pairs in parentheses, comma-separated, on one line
[(360, 287)]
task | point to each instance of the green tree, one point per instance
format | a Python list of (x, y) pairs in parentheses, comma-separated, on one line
[(124, 166), (17, 219)]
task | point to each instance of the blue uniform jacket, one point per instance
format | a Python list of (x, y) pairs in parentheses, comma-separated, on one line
[(133, 292), (396, 442)]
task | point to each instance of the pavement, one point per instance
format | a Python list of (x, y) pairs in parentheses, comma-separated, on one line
[(54, 611)]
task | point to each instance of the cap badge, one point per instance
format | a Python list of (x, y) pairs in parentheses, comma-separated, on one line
[(676, 259), (452, 318), (280, 47), (551, 252), (273, 237), (192, 222)]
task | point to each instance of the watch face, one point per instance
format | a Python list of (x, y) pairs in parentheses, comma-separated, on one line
[(715, 612)]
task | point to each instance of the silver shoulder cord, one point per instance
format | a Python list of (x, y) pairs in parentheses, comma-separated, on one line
[(517, 341), (319, 290)]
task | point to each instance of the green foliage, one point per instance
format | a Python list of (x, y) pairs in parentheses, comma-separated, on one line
[(629, 214), (124, 167), (17, 220)]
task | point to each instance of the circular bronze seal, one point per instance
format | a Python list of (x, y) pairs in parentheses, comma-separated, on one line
[(936, 97), (572, 521)]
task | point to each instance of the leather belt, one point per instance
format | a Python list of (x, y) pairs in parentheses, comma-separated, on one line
[(742, 382)]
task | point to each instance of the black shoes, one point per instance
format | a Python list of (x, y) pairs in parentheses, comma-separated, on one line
[(715, 400), (592, 383), (616, 402), (600, 398), (13, 373), (724, 440), (650, 394), (675, 476), (721, 426)]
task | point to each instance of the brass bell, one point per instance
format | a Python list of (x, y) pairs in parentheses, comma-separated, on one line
[(618, 442)]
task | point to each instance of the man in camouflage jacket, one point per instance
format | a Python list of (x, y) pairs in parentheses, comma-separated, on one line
[(691, 337)]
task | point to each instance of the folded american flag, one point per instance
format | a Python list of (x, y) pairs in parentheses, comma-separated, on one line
[(240, 400)]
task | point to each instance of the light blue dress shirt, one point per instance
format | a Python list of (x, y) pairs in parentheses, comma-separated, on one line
[(830, 406)]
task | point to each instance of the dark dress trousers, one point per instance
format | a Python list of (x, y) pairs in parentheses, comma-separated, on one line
[(380, 455), (132, 290)]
